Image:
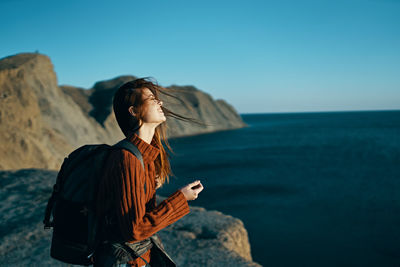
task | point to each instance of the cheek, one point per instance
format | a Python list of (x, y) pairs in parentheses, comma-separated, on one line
[(150, 112)]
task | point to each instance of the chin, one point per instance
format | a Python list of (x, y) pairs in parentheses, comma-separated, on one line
[(162, 120)]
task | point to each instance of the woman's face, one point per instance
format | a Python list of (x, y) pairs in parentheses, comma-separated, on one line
[(152, 112)]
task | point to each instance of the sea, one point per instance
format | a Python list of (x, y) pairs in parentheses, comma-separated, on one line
[(312, 189)]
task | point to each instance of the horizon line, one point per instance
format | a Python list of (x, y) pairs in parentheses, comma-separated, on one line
[(322, 111)]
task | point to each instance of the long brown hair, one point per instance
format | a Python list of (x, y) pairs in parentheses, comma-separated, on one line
[(130, 94)]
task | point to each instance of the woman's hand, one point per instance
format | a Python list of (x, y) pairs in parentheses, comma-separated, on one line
[(192, 190)]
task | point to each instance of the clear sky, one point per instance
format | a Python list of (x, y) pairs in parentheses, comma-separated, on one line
[(260, 56)]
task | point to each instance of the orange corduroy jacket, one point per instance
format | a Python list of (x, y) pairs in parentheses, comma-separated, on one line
[(122, 188)]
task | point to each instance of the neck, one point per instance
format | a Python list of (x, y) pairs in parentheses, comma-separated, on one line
[(146, 132)]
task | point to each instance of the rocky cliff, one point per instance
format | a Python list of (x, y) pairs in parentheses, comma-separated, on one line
[(41, 122), (201, 238)]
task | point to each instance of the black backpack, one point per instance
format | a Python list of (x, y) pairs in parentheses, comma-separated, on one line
[(72, 203)]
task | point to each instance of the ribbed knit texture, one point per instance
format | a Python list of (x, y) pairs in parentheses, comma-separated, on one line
[(122, 189)]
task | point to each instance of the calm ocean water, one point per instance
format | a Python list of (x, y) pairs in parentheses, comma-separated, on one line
[(313, 189)]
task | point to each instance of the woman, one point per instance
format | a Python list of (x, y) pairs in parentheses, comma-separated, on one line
[(127, 193)]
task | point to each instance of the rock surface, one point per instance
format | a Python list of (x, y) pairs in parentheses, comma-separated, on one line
[(201, 238), (208, 238), (41, 122)]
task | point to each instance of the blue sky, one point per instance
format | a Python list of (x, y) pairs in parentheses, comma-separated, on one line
[(260, 56)]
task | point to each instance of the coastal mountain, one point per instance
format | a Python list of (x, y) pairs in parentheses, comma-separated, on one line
[(41, 122)]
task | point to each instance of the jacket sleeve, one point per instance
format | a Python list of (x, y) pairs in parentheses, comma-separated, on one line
[(135, 223)]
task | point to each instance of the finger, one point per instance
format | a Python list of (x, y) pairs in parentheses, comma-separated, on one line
[(194, 183), (198, 190)]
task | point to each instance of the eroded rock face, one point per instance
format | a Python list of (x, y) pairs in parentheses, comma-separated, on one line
[(217, 115), (26, 134), (201, 238), (41, 122)]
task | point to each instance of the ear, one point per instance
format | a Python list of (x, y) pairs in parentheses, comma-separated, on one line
[(130, 109)]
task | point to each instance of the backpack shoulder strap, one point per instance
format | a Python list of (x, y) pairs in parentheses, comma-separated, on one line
[(125, 144)]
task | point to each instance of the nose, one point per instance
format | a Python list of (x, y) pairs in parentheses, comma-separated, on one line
[(160, 102)]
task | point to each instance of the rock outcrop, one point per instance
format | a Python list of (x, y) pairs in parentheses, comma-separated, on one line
[(41, 122), (218, 115), (208, 238), (201, 238)]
